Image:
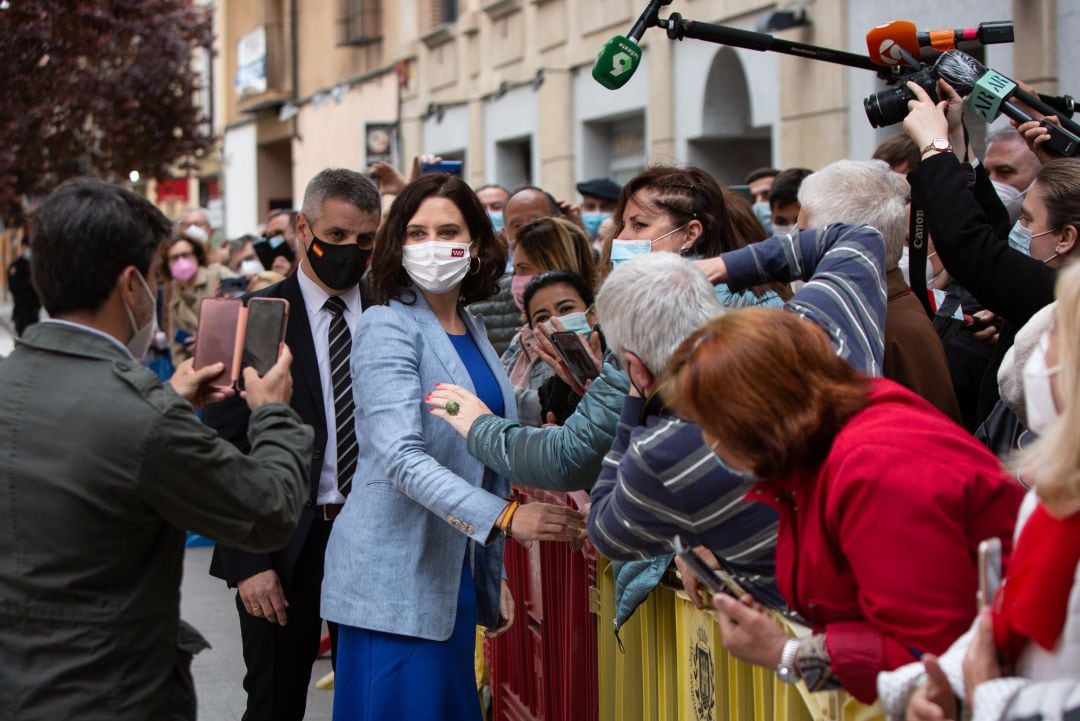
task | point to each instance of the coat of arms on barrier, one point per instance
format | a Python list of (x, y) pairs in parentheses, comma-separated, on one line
[(702, 677)]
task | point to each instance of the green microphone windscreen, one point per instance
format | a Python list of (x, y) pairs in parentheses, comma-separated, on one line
[(616, 62)]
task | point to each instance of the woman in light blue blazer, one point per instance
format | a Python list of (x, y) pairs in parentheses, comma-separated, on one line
[(415, 560)]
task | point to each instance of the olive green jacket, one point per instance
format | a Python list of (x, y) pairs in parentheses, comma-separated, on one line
[(102, 467)]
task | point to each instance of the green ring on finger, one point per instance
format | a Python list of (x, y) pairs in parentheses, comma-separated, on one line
[(452, 407)]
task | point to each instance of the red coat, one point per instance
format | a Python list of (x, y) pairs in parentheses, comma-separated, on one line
[(878, 547)]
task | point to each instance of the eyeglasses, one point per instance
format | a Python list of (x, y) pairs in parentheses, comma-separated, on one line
[(181, 256)]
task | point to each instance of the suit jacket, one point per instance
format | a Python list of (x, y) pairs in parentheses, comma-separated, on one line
[(229, 418), (394, 559)]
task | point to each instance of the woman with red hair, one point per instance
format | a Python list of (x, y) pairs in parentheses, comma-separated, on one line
[(882, 499)]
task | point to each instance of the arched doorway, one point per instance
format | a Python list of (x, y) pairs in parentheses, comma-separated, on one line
[(728, 147)]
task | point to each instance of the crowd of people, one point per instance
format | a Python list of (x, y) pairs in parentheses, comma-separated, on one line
[(746, 368)]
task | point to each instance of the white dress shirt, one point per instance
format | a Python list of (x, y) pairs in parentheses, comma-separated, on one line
[(319, 319)]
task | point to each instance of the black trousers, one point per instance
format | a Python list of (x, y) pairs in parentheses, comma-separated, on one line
[(279, 658)]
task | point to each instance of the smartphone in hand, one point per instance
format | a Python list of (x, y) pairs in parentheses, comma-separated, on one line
[(233, 287), (240, 336), (265, 332), (450, 167), (217, 339), (990, 575), (712, 579), (576, 357)]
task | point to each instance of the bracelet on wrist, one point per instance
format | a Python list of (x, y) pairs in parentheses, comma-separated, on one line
[(507, 517)]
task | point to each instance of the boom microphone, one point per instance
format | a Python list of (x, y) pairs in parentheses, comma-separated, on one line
[(884, 42), (619, 58), (989, 93)]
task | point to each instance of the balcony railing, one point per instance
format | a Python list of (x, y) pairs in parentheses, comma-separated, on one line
[(360, 22), (262, 77)]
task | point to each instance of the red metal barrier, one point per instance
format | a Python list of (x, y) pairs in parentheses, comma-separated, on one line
[(544, 667)]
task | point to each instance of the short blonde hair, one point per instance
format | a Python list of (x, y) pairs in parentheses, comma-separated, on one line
[(1053, 462)]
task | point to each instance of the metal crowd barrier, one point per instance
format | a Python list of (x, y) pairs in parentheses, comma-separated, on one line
[(561, 660)]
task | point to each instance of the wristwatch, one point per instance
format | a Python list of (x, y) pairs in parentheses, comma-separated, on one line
[(786, 670), (938, 145)]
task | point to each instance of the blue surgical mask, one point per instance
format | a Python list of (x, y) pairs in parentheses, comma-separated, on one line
[(276, 241), (496, 220), (623, 250), (1020, 239), (593, 221), (764, 214), (573, 322), (626, 249)]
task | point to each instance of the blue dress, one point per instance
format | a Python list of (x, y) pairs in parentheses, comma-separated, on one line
[(387, 676)]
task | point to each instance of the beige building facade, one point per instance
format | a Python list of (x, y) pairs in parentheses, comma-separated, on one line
[(505, 86)]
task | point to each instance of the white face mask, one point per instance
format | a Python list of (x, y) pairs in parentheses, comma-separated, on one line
[(196, 233), (1010, 197), (782, 229), (144, 336), (905, 262), (436, 266), (251, 267), (1038, 393)]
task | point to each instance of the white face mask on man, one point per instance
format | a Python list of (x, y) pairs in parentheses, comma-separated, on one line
[(143, 336), (905, 262), (436, 266)]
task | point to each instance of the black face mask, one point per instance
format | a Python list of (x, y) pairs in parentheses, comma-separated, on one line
[(340, 267)]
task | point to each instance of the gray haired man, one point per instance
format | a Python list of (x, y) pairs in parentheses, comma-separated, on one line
[(867, 192), (278, 593)]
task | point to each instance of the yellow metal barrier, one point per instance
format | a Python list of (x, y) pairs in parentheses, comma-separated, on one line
[(674, 668)]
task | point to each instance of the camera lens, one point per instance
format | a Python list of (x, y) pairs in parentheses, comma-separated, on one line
[(888, 106)]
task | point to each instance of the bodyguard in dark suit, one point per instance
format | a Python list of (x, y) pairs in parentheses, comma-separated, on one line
[(278, 593)]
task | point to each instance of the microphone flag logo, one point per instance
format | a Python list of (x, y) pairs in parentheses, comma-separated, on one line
[(891, 52), (620, 64)]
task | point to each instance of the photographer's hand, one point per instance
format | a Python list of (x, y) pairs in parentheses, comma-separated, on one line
[(954, 113), (925, 119)]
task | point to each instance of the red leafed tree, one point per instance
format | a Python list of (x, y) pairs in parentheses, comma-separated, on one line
[(97, 87)]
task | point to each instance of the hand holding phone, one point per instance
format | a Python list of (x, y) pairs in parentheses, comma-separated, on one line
[(240, 337), (715, 580)]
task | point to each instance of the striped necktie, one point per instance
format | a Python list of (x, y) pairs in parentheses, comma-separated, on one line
[(340, 351)]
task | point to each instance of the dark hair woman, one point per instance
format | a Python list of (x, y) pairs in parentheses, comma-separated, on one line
[(414, 561), (681, 210)]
